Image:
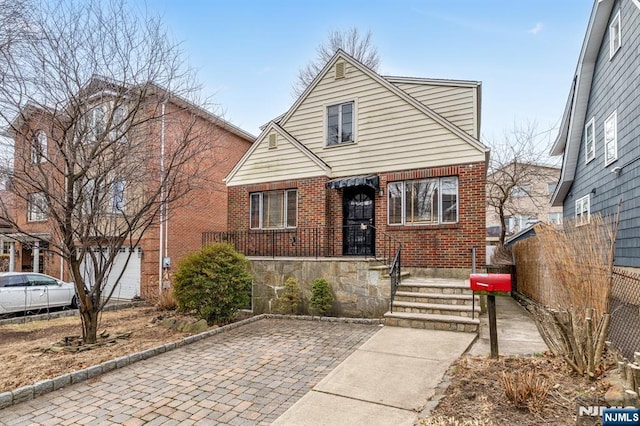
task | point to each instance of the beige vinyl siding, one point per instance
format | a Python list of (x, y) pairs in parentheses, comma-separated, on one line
[(456, 104), (390, 133), (286, 161)]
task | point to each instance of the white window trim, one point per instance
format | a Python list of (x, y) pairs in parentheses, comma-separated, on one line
[(580, 204), (261, 209), (590, 123), (404, 204), (354, 131), (614, 49), (614, 117), (637, 3)]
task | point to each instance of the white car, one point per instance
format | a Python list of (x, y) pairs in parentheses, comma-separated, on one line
[(30, 291)]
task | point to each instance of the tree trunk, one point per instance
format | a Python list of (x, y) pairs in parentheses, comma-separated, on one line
[(89, 325)]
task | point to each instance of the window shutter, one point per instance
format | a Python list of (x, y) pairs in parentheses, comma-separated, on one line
[(273, 142), (340, 70)]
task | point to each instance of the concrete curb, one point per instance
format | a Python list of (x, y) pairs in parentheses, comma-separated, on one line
[(29, 392)]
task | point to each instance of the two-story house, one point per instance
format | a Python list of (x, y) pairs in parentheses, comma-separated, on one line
[(362, 162), (599, 135), (175, 227)]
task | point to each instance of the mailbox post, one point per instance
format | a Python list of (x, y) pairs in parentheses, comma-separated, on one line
[(491, 285)]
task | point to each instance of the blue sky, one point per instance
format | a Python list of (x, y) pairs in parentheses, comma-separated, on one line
[(248, 53)]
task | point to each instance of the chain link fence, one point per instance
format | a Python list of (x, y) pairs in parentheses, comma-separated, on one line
[(624, 331)]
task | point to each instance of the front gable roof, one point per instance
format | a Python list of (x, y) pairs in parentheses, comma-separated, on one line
[(573, 119), (342, 55), (304, 157)]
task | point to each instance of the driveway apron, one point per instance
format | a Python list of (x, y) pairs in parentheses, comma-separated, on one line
[(246, 376)]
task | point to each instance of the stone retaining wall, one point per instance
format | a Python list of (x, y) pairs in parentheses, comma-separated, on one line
[(361, 287)]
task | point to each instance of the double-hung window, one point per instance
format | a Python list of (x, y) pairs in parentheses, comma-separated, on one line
[(521, 191), (117, 196), (274, 209), (611, 139), (583, 210), (589, 141), (340, 123), (96, 122), (36, 207), (423, 201), (39, 147), (615, 35)]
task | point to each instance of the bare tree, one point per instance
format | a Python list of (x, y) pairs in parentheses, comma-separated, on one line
[(351, 41), (104, 116), (516, 167)]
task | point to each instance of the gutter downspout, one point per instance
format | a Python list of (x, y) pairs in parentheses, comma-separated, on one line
[(162, 203)]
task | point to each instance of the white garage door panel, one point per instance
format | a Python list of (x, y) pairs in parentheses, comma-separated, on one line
[(129, 285)]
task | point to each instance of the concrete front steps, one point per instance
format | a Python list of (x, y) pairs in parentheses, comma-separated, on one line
[(434, 303)]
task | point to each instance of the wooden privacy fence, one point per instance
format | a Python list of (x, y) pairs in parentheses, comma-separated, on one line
[(571, 268)]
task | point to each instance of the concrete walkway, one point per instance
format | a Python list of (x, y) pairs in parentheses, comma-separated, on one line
[(393, 376), (386, 381), (517, 333)]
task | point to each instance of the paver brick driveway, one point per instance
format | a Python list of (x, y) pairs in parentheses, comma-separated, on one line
[(246, 376)]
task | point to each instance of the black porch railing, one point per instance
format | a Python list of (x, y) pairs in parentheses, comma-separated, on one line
[(395, 274), (361, 240)]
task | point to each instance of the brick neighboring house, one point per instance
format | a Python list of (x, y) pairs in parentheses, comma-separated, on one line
[(204, 208), (361, 160)]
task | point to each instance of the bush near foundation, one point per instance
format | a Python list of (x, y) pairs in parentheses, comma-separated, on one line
[(213, 283), (321, 300), (289, 301)]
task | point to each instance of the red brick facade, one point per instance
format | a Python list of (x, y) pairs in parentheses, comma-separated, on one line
[(425, 246), (203, 208)]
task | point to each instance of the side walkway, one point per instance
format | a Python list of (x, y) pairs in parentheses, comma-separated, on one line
[(517, 332), (399, 372), (386, 381)]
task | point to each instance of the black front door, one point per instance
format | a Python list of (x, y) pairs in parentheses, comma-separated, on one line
[(358, 237)]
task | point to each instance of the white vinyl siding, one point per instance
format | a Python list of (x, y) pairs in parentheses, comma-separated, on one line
[(391, 133), (583, 210), (266, 164), (456, 104), (273, 209), (615, 36), (589, 141), (611, 139)]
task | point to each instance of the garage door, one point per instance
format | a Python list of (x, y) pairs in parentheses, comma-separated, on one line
[(129, 285)]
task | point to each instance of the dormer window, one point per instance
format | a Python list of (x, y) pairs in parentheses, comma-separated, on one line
[(340, 124), (615, 38)]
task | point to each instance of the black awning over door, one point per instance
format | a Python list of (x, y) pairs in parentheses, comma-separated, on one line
[(349, 182)]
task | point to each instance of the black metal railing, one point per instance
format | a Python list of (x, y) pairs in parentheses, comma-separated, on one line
[(395, 273), (359, 240)]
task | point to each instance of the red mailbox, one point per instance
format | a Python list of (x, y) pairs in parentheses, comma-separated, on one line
[(490, 282)]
